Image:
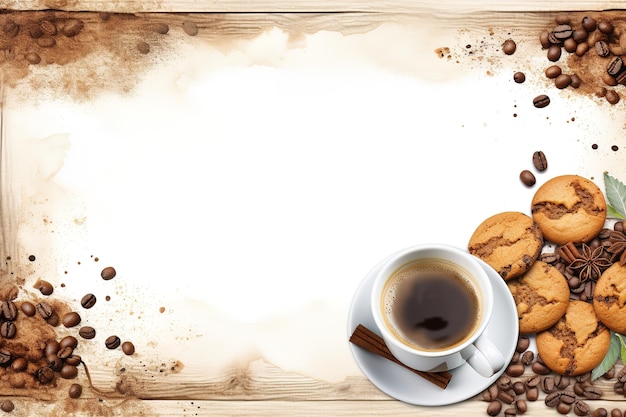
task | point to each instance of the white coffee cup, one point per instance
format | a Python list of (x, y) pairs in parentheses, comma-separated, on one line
[(440, 264)]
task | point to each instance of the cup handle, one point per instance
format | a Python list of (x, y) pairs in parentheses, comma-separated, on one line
[(486, 359)]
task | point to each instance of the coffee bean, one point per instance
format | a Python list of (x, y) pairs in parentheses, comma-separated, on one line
[(510, 412), (54, 362), (553, 399), (46, 41), (190, 28), (8, 330), (509, 46), (514, 358), (73, 360), (5, 357), (45, 310), (71, 319), (602, 48), (554, 53), (143, 47), (547, 384), (589, 23), (507, 396), (491, 393), (44, 287), (75, 390), (576, 81), (553, 71), (563, 408), (610, 374), (44, 374), (606, 27), (65, 352), (35, 32), (540, 161), (570, 45), (581, 49), (561, 381), (580, 35), (532, 393), (7, 406), (615, 66), (519, 77), (581, 408), (519, 388), (108, 273), (592, 392), (504, 382), (161, 28), (515, 370), (72, 27), (68, 341), (621, 375), (523, 342), (87, 332), (618, 388), (48, 28), (562, 32), (494, 407), (112, 342), (88, 300), (568, 396), (562, 81), (544, 39), (9, 310), (19, 364), (52, 347), (128, 348), (68, 371), (533, 381), (599, 412), (613, 98), (28, 308), (527, 178), (541, 101), (521, 406), (616, 412)]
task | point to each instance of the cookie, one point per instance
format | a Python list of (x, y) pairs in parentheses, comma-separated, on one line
[(569, 208), (541, 296), (577, 343), (509, 242), (609, 298)]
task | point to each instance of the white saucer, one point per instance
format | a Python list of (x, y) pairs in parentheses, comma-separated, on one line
[(403, 384)]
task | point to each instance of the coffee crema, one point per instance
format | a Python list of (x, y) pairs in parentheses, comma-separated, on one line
[(431, 305)]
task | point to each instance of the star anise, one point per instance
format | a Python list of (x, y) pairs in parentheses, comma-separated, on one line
[(590, 263), (618, 247)]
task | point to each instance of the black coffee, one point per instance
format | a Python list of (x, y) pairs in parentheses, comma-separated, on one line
[(430, 305)]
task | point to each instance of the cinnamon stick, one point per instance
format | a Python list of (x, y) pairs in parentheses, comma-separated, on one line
[(367, 339)]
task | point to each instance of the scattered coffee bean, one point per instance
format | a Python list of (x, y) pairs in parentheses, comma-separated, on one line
[(563, 408), (7, 406), (44, 287), (592, 392), (8, 310), (544, 39), (521, 406), (568, 397), (143, 47), (494, 407), (581, 408), (510, 412), (8, 330), (28, 308), (54, 362), (46, 41), (72, 27), (32, 58), (581, 49), (75, 390), (554, 53), (108, 273), (562, 32), (527, 178), (576, 81), (112, 342), (615, 66), (507, 396), (553, 71), (589, 23), (52, 347), (541, 101), (87, 332), (515, 370), (65, 352), (532, 393), (547, 385), (45, 374), (621, 375), (128, 348), (519, 388), (523, 342), (616, 412), (161, 28), (612, 97), (602, 48), (68, 372), (561, 381), (71, 319), (570, 45), (563, 81), (533, 381), (504, 382), (600, 412), (45, 310), (19, 364), (491, 393), (88, 301), (540, 161), (519, 77), (73, 360), (190, 28), (606, 27), (553, 399), (509, 46)]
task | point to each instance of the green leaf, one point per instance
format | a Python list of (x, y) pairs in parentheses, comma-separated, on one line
[(609, 359), (611, 213), (623, 350), (615, 194)]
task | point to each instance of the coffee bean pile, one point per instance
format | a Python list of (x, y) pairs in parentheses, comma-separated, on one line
[(32, 355), (594, 54)]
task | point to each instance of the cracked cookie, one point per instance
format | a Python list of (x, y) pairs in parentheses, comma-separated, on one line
[(577, 343), (569, 208), (541, 296), (509, 242), (609, 299)]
